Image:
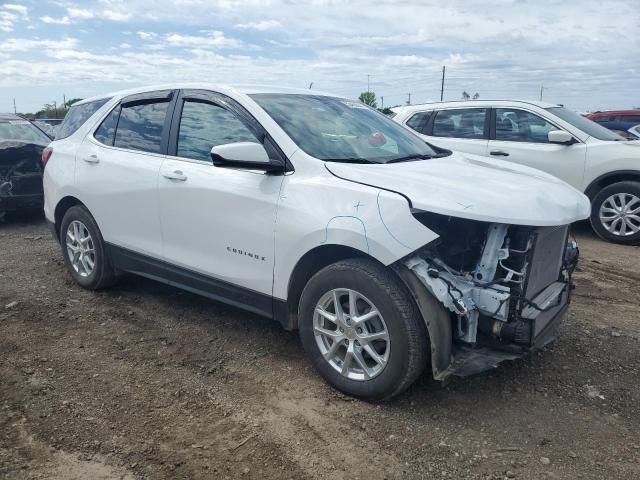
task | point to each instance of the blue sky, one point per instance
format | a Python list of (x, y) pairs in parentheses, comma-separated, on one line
[(585, 53)]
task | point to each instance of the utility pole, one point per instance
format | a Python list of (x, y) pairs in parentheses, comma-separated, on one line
[(541, 89), (381, 103), (409, 99), (64, 101), (55, 109), (310, 85), (14, 106), (442, 86), (368, 82)]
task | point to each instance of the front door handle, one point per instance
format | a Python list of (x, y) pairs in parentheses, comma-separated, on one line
[(499, 153), (176, 175), (93, 158)]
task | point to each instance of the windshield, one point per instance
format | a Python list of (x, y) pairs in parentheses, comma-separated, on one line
[(587, 126), (23, 131), (334, 129)]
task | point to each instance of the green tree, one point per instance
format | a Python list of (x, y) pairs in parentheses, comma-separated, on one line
[(465, 96), (369, 98), (385, 110), (476, 96)]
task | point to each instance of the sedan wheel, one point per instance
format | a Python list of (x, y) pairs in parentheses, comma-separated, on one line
[(620, 214)]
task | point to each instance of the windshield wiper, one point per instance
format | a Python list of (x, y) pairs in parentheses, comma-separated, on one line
[(348, 160), (410, 158)]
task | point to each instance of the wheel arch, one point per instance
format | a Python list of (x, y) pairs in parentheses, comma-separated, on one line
[(610, 178), (63, 205), (308, 265)]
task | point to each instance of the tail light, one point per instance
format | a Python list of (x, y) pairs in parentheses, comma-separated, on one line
[(46, 155)]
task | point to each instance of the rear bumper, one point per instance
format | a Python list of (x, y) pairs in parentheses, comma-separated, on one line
[(12, 203)]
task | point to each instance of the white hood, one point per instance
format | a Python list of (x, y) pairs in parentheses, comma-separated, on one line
[(477, 188)]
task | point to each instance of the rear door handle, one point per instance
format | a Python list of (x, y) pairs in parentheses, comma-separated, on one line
[(176, 175), (499, 153), (92, 159)]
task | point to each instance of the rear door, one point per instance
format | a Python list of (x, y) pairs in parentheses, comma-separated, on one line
[(521, 136), (459, 129), (117, 171), (218, 222)]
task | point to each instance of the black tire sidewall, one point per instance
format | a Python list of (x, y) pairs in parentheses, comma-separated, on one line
[(94, 280), (619, 187), (386, 382)]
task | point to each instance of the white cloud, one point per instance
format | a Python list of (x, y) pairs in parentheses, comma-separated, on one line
[(125, 45), (58, 21), (261, 25), (80, 13), (147, 35), (6, 21), (214, 39), (19, 9), (25, 45)]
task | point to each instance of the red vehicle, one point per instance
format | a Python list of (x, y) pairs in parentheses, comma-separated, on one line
[(623, 122)]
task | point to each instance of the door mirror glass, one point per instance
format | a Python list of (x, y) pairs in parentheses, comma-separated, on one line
[(560, 136), (241, 154)]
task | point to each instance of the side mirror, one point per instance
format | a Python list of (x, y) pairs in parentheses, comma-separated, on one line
[(249, 155), (561, 137)]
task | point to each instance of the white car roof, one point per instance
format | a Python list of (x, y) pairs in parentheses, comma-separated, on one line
[(239, 89), (471, 103)]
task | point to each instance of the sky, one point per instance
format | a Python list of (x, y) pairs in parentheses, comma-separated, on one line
[(583, 53)]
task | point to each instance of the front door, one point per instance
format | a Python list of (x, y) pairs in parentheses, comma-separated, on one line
[(521, 136), (218, 222), (460, 129)]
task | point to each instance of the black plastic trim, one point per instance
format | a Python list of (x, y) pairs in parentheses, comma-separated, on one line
[(164, 272), (592, 190)]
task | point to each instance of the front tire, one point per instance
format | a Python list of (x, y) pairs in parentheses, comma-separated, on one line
[(615, 213), (361, 329), (83, 248)]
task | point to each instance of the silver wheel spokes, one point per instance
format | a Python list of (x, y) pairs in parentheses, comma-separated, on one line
[(620, 214), (351, 334), (80, 248)]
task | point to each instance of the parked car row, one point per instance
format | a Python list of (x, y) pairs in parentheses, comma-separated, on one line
[(386, 252), (550, 138)]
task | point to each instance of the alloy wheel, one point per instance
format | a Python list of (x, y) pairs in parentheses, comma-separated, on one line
[(620, 214), (80, 248), (351, 334)]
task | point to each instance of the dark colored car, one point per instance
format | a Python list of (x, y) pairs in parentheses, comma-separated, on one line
[(21, 145), (620, 121)]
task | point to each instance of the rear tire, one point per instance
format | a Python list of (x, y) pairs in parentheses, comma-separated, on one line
[(376, 369), (83, 248), (612, 207)]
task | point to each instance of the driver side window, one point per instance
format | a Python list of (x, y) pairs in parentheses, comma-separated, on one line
[(513, 125), (204, 126)]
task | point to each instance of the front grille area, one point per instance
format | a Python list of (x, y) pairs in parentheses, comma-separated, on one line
[(549, 244)]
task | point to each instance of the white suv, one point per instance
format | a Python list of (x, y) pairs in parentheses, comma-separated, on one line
[(595, 160), (322, 214)]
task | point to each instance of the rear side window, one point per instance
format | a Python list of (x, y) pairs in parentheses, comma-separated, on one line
[(106, 132), (628, 118), (460, 123), (140, 126), (77, 115), (418, 121)]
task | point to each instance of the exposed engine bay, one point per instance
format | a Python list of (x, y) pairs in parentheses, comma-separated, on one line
[(506, 286)]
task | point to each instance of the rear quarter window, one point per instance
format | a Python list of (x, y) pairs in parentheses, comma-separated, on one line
[(77, 116)]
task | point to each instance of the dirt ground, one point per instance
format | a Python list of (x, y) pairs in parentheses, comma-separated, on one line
[(146, 381)]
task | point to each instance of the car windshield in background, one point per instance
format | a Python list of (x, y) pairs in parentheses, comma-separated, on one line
[(22, 131), (587, 126), (335, 129)]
